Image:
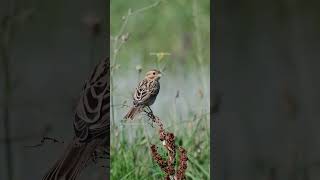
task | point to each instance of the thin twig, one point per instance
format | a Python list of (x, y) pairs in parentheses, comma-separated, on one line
[(147, 8), (43, 140), (6, 34)]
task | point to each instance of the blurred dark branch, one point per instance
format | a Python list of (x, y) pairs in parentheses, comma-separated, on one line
[(7, 29), (44, 140), (20, 139), (5, 34)]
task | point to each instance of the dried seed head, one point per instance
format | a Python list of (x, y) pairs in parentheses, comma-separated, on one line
[(125, 37), (182, 164), (139, 68)]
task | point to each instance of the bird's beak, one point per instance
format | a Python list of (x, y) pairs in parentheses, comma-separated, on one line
[(159, 75)]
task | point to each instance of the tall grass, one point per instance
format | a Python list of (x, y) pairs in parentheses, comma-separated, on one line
[(131, 160)]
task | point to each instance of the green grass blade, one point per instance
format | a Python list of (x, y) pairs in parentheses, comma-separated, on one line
[(127, 175)]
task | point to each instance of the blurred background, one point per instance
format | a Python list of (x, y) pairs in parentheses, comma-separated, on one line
[(47, 51), (267, 70), (174, 37)]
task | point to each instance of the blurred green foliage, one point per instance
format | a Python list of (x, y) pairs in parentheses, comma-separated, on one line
[(169, 27)]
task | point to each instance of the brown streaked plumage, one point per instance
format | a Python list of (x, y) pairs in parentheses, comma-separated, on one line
[(146, 93), (91, 126)]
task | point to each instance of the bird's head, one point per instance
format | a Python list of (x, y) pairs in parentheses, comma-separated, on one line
[(153, 74)]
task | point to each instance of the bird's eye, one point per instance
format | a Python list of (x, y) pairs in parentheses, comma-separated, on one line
[(154, 73)]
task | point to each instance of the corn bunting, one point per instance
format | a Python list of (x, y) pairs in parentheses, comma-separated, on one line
[(145, 94), (91, 126)]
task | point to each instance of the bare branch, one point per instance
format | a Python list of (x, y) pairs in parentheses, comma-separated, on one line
[(45, 139)]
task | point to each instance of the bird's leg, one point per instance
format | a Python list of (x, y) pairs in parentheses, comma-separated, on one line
[(146, 109), (150, 113)]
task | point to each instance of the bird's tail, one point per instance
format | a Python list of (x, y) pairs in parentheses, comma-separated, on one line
[(73, 161), (132, 112)]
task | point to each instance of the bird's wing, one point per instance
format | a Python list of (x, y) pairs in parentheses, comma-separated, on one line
[(145, 90), (92, 111)]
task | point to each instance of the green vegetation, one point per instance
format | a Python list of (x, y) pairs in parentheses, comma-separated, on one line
[(181, 29)]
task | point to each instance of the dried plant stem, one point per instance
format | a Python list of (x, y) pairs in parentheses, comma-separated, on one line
[(168, 165), (7, 30), (147, 7)]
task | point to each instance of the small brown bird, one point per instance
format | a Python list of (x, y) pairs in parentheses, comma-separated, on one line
[(146, 93), (90, 124)]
